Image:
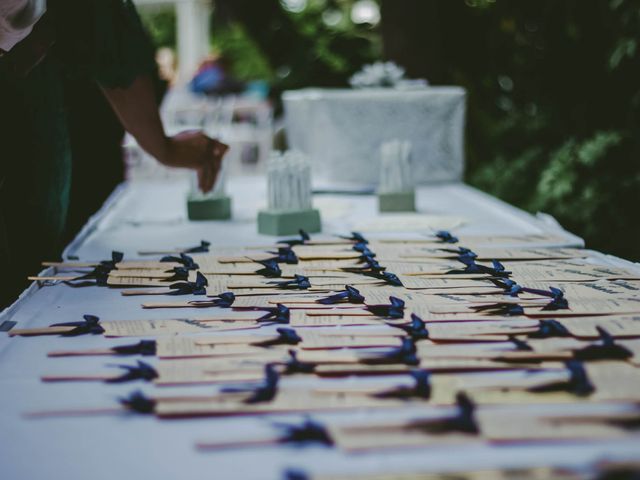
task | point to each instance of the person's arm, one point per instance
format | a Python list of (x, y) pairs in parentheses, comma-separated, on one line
[(136, 108)]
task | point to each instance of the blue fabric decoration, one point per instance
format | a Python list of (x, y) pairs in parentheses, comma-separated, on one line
[(420, 389), (503, 309), (607, 350), (304, 237), (497, 270), (199, 287), (405, 354), (361, 247), (295, 474), (224, 300), (185, 260), (285, 255), (286, 336), (308, 432), (300, 282), (100, 273), (394, 310), (355, 237), (139, 403), (521, 345), (279, 314), (294, 365), (141, 371), (550, 329), (90, 326), (271, 268), (349, 295), (143, 347), (446, 236), (269, 389), (202, 248), (180, 274), (417, 329), (577, 384)]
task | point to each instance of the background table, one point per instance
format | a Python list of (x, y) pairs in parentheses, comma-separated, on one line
[(153, 215)]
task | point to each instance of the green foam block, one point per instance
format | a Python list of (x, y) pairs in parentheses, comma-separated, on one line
[(281, 222), (397, 202), (209, 209)]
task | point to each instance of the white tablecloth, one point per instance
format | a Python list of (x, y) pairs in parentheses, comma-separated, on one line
[(342, 130), (148, 216)]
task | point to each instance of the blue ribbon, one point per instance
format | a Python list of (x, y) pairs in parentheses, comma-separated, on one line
[(202, 248), (521, 345), (307, 432), (185, 260), (304, 237), (278, 314), (405, 354), (90, 325), (417, 329), (420, 389), (295, 474), (550, 329), (269, 389), (199, 287), (349, 295), (355, 237), (608, 349), (461, 252), (139, 403), (497, 270), (300, 282), (446, 236), (100, 273), (503, 309), (371, 265), (285, 255), (271, 268), (224, 300), (294, 365), (388, 277), (286, 336), (464, 421), (143, 347), (361, 247), (141, 371), (577, 384), (394, 310), (180, 274)]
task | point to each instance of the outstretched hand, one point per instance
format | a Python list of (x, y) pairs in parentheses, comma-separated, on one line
[(199, 152)]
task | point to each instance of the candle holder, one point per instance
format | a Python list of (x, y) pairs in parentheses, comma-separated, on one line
[(289, 196), (396, 192)]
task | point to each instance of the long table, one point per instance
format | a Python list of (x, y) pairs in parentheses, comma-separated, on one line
[(152, 215)]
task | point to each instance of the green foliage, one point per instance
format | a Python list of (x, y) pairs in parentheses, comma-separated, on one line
[(161, 26), (554, 109), (247, 61)]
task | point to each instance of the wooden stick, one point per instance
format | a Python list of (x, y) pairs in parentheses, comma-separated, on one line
[(79, 353), (237, 444), (70, 264), (77, 378), (52, 278), (130, 293), (26, 332)]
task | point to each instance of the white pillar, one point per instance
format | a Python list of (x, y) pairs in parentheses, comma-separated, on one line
[(192, 33)]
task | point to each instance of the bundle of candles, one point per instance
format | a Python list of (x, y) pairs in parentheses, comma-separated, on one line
[(395, 167), (289, 181), (396, 190), (288, 196), (213, 205)]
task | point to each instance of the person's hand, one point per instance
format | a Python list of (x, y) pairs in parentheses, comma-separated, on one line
[(196, 151)]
